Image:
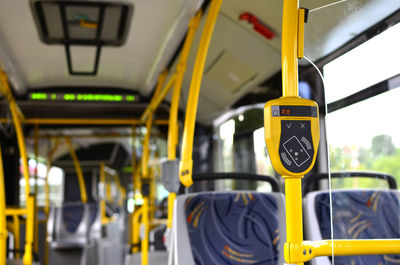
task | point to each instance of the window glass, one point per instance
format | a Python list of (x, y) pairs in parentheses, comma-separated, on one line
[(370, 63), (55, 179), (366, 136)]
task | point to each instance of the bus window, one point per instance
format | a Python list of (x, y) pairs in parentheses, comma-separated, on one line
[(361, 128), (242, 149), (263, 163), (365, 136), (56, 184)]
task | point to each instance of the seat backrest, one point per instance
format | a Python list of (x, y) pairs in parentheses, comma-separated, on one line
[(229, 228), (95, 221), (357, 214), (51, 223), (72, 223)]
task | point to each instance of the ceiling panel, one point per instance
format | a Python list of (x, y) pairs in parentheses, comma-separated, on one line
[(156, 30), (244, 47)]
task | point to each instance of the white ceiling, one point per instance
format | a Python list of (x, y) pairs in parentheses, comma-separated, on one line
[(156, 30), (158, 26)]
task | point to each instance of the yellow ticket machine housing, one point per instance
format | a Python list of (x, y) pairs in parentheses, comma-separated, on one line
[(291, 127)]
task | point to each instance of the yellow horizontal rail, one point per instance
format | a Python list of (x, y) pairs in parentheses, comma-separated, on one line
[(309, 249), (56, 121), (81, 136), (16, 211)]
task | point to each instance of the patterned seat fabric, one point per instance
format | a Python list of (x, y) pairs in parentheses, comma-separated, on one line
[(360, 215), (72, 216), (233, 228), (93, 210)]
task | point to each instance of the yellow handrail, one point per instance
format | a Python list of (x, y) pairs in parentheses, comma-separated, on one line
[(17, 118), (289, 48), (46, 179), (27, 259), (185, 168), (156, 100), (16, 211), (146, 223), (78, 169), (47, 192), (35, 191), (3, 222), (149, 122), (136, 229), (56, 121), (180, 71), (296, 250), (173, 127), (104, 219)]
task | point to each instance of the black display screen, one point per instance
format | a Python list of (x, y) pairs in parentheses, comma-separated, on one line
[(294, 111)]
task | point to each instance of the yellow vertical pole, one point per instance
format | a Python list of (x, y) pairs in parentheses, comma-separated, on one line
[(149, 122), (108, 191), (46, 180), (102, 200), (3, 221), (137, 184), (16, 117), (289, 48), (173, 127), (27, 259), (171, 200), (133, 158), (47, 192), (152, 195), (185, 168), (136, 229), (17, 234), (180, 71), (36, 221), (81, 180), (290, 53), (145, 240), (146, 148)]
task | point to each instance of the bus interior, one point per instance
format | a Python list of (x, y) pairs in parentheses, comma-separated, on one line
[(199, 132)]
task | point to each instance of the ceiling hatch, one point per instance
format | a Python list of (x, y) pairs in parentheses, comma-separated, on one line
[(230, 72), (82, 26)]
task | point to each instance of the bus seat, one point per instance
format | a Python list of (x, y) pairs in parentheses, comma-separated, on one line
[(51, 223), (228, 228), (94, 221), (71, 226), (357, 214)]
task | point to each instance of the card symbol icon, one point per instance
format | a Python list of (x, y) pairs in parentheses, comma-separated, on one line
[(296, 151)]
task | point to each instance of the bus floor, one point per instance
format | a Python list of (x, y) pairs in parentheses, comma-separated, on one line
[(155, 258)]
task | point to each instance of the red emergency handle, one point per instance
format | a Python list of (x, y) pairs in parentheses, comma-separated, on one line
[(257, 25)]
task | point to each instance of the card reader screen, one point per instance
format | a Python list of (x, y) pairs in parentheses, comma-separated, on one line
[(297, 111)]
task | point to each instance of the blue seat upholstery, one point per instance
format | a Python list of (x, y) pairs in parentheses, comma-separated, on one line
[(93, 212), (360, 214), (233, 228), (72, 217)]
